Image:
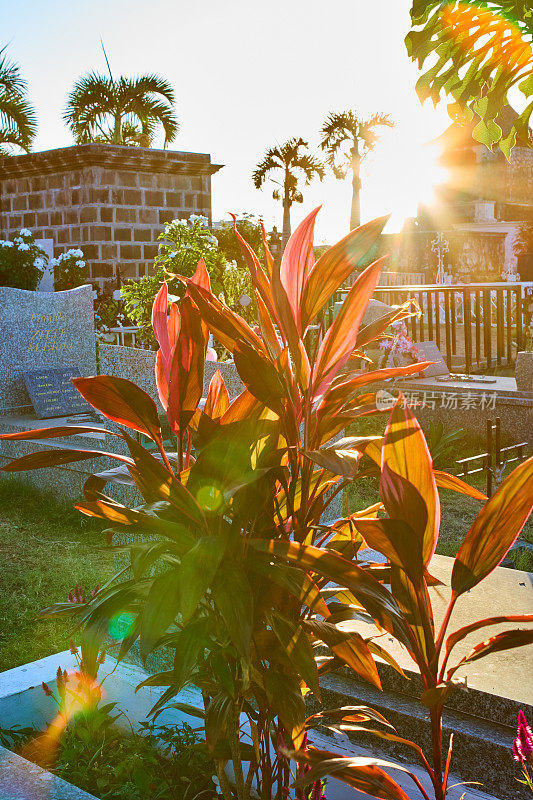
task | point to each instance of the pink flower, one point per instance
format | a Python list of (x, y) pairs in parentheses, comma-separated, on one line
[(523, 744)]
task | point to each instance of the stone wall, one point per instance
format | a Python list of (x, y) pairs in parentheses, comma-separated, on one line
[(110, 200), (138, 366)]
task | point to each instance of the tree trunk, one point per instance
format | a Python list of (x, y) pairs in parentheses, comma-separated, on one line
[(286, 222), (355, 215), (117, 131)]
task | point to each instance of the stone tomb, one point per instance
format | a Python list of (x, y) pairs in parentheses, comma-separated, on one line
[(46, 335), (42, 331)]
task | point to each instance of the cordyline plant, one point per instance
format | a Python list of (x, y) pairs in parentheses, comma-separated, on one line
[(237, 584)]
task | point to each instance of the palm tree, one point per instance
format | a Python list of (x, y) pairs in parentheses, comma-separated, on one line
[(123, 111), (293, 165), (18, 123), (347, 139)]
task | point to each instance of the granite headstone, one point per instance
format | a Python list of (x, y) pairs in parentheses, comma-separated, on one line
[(428, 351), (42, 331)]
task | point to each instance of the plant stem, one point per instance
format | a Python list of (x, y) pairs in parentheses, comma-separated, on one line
[(223, 780), (436, 736), (233, 735)]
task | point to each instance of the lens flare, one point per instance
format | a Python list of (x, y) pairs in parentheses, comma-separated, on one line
[(210, 498), (121, 625)]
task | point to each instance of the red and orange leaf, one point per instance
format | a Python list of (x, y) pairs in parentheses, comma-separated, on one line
[(51, 458), (57, 433), (297, 262), (495, 529), (363, 774), (121, 401), (463, 632), (334, 266), (187, 368), (227, 326), (159, 322), (406, 452), (244, 406), (217, 400), (260, 376), (339, 341), (201, 276), (446, 481), (496, 644)]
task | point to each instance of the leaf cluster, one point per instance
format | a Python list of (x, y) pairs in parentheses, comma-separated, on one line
[(479, 53), (241, 579)]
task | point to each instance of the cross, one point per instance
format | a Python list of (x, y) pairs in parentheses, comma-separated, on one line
[(440, 246)]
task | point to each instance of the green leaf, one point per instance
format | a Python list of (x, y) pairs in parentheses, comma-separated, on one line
[(197, 571), (297, 648), (234, 600), (217, 715), (488, 133), (286, 700), (160, 610), (369, 592)]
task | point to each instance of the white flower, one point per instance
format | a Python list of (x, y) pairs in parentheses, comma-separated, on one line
[(23, 246), (198, 218), (80, 264), (178, 222), (53, 262), (39, 263), (24, 232)]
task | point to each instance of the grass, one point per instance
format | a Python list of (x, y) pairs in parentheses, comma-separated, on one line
[(45, 548)]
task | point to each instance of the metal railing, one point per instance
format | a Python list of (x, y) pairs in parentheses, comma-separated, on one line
[(480, 325)]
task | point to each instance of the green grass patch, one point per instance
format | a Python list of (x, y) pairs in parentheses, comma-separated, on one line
[(46, 547)]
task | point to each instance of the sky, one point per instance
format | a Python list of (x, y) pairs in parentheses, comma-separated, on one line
[(248, 75)]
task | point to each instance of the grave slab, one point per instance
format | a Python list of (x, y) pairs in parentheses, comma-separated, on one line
[(42, 330)]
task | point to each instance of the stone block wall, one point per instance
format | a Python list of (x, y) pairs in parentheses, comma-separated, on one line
[(110, 200)]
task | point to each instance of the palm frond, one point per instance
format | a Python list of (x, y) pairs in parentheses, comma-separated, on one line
[(96, 102), (18, 121)]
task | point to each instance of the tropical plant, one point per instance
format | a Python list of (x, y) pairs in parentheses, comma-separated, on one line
[(22, 262), (70, 270), (125, 111), (294, 164), (18, 123), (442, 444), (238, 581), (182, 244), (483, 52), (347, 139)]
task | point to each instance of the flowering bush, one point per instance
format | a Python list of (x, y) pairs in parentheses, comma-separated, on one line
[(182, 244), (70, 270), (22, 263), (400, 348)]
